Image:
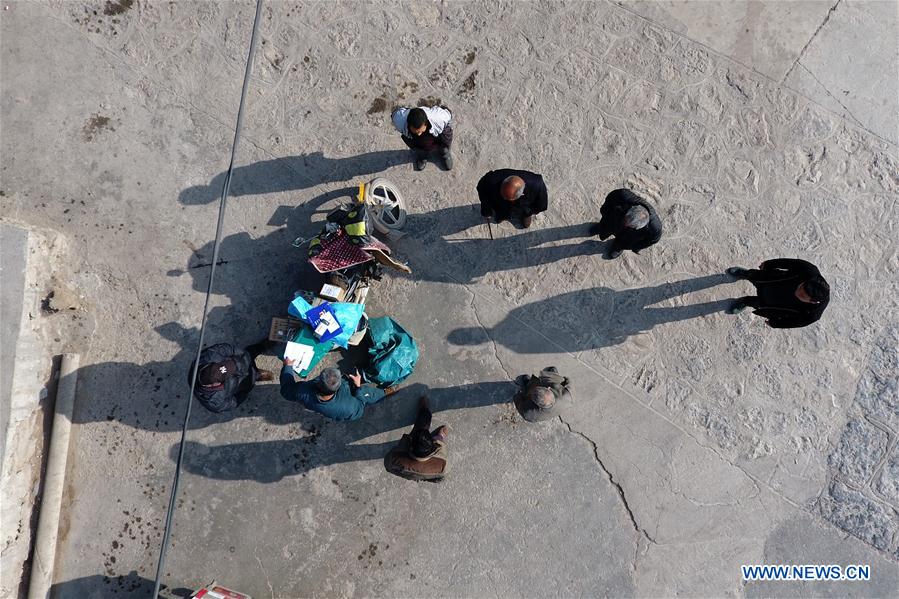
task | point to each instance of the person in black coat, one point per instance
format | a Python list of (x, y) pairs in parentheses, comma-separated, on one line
[(227, 375), (631, 219), (791, 292), (508, 194)]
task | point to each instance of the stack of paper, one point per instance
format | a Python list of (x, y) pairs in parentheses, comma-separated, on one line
[(300, 353)]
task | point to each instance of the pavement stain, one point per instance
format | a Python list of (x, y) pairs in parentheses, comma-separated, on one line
[(95, 125)]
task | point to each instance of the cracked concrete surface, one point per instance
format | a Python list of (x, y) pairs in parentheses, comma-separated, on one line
[(697, 441)]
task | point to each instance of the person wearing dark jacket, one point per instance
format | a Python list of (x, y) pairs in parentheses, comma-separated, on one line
[(539, 396), (426, 130), (791, 292), (330, 395), (227, 374), (631, 219), (508, 194), (421, 454)]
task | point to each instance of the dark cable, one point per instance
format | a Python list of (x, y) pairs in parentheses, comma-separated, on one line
[(169, 518)]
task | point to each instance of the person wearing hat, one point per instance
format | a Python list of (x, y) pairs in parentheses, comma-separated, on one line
[(227, 374), (330, 394), (631, 219), (421, 454), (539, 396)]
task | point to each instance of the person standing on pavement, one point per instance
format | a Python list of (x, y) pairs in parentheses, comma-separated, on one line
[(421, 454), (330, 394), (227, 374), (630, 219), (791, 292), (539, 397), (511, 194), (426, 130)]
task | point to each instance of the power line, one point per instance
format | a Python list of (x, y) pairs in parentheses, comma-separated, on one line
[(169, 518)]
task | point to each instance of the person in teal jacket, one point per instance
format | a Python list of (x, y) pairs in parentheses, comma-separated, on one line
[(330, 394)]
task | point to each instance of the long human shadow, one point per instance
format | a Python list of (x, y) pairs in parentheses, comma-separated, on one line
[(328, 442), (593, 318), (427, 242), (101, 585), (292, 173), (153, 395)]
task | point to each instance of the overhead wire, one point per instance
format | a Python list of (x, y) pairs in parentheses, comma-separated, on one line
[(169, 519)]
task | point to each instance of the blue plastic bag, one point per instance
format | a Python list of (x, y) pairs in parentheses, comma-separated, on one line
[(348, 315)]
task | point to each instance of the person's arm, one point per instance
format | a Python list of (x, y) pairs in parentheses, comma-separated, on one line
[(446, 136), (367, 394), (399, 119), (540, 198), (649, 235), (484, 197), (408, 142), (788, 264), (289, 384)]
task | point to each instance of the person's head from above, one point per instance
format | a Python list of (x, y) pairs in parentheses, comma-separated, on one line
[(541, 397), (636, 217), (417, 122), (813, 291), (512, 188), (216, 373), (327, 383), (422, 443)]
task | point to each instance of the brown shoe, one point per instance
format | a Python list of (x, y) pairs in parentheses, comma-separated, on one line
[(526, 221), (265, 375), (391, 390)]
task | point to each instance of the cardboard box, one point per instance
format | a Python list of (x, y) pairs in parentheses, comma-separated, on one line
[(332, 293), (284, 328)]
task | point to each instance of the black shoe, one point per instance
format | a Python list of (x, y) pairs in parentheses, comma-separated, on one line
[(419, 164), (614, 254), (737, 272), (447, 160)]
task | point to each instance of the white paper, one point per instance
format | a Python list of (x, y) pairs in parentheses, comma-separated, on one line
[(300, 353)]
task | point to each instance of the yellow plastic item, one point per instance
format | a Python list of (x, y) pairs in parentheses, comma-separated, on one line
[(361, 197)]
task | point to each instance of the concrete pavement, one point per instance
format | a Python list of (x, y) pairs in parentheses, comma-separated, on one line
[(698, 441)]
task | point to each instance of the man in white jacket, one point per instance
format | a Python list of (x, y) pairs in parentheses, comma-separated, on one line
[(426, 129)]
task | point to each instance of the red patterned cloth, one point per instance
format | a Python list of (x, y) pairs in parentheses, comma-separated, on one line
[(339, 253)]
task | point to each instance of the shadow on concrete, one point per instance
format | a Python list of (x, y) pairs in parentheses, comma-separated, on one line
[(153, 396), (292, 173), (328, 442), (593, 318), (98, 585), (474, 256)]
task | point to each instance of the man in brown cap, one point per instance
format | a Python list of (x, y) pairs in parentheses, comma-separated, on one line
[(421, 454), (539, 396), (227, 374)]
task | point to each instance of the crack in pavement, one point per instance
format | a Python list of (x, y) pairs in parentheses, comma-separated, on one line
[(811, 39), (487, 332), (639, 529)]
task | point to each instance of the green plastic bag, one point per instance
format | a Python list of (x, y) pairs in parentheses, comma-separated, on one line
[(393, 352)]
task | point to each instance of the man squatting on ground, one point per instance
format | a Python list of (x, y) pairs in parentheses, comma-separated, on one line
[(227, 375), (421, 454), (791, 292), (539, 396), (634, 223), (426, 129), (508, 194), (330, 394)]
